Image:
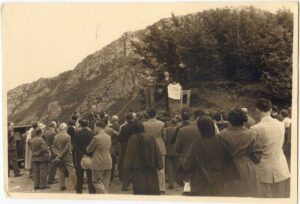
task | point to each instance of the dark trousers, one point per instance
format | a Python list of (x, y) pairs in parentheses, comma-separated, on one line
[(114, 160), (125, 174), (13, 161), (172, 163), (79, 174), (40, 170), (51, 170)]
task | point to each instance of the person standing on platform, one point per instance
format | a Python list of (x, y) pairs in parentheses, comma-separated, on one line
[(155, 128), (143, 159), (272, 171), (101, 162), (126, 131), (82, 139), (167, 80), (62, 149), (149, 90), (12, 151)]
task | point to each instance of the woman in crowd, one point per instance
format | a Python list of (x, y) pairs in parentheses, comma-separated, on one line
[(208, 162), (245, 150), (143, 159)]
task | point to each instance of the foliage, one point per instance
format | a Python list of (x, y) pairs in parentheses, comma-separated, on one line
[(246, 44)]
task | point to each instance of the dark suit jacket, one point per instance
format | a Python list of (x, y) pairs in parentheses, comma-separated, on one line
[(82, 139), (185, 138), (40, 151), (125, 132), (170, 134), (49, 137), (72, 131)]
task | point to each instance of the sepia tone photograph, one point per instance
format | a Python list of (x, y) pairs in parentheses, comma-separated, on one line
[(155, 101)]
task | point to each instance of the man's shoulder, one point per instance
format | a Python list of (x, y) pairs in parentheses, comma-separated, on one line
[(188, 128)]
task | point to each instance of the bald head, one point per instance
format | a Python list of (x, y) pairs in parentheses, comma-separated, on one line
[(63, 126)]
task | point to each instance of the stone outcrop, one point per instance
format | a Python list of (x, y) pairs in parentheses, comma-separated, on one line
[(108, 79)]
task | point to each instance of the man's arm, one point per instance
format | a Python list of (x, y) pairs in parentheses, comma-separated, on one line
[(178, 143), (44, 148), (65, 149), (92, 146)]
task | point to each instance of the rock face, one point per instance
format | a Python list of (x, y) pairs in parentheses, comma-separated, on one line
[(108, 79)]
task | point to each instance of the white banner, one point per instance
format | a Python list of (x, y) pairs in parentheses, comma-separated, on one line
[(174, 91)]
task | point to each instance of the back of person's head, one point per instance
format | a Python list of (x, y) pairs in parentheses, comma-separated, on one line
[(274, 108), (263, 105), (114, 119), (237, 117), (83, 123), (151, 112), (74, 117), (63, 126), (35, 125), (54, 124), (174, 121), (100, 124), (71, 123), (129, 116), (206, 126), (139, 127), (284, 113), (39, 132), (245, 110), (185, 115), (200, 112)]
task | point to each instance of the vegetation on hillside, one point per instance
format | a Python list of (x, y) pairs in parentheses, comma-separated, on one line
[(240, 45)]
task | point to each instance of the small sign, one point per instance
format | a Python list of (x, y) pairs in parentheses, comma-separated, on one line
[(174, 91)]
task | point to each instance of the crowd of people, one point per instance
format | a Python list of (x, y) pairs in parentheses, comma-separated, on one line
[(195, 151)]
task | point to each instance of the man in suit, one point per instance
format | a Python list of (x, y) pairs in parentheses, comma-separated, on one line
[(49, 137), (82, 139), (126, 130), (40, 159), (101, 160), (172, 158), (71, 131), (272, 171), (155, 128), (186, 135), (63, 155), (112, 129)]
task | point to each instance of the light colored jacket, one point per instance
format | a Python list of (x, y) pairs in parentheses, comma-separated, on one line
[(100, 147), (273, 166), (62, 146), (155, 128)]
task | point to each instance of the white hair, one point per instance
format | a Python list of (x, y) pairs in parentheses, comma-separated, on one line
[(63, 126)]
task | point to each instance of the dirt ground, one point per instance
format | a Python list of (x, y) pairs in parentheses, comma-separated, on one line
[(25, 185)]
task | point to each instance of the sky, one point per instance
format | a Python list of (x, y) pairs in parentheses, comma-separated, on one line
[(43, 40)]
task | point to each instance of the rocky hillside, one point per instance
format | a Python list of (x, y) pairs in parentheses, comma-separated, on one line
[(224, 66), (109, 79)]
